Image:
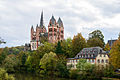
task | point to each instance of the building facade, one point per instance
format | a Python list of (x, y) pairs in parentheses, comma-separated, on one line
[(55, 30), (93, 55)]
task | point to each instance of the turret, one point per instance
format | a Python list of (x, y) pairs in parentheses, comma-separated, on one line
[(32, 32), (52, 21)]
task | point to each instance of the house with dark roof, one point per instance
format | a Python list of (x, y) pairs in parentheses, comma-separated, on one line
[(93, 55), (110, 42)]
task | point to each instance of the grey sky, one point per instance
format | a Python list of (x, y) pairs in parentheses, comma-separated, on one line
[(85, 16)]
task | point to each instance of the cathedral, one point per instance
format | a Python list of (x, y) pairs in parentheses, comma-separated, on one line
[(55, 32)]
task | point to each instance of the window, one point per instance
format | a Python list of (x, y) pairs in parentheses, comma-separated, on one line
[(90, 55), (93, 60), (50, 30), (100, 55), (102, 61), (55, 30), (73, 61), (106, 60), (86, 55), (98, 61), (93, 55), (61, 36), (83, 55), (104, 55), (61, 31)]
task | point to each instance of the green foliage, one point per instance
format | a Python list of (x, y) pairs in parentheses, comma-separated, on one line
[(22, 56), (3, 54), (58, 49), (78, 43), (10, 63), (43, 39), (109, 71), (16, 50), (115, 55), (67, 48), (33, 59), (95, 42), (97, 34), (46, 48), (62, 70), (81, 64), (4, 75), (73, 74), (48, 63)]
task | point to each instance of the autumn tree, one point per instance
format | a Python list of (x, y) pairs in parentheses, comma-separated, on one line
[(115, 54), (78, 43), (107, 47), (97, 34), (95, 42)]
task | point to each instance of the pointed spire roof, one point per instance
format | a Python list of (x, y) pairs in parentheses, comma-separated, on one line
[(41, 19), (53, 20), (60, 22), (32, 27)]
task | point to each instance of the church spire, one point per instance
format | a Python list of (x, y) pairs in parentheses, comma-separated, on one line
[(41, 20)]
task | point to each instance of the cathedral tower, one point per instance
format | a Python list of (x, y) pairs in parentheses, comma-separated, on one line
[(55, 30)]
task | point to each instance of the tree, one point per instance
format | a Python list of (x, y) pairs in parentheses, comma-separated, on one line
[(4, 75), (95, 42), (81, 64), (78, 43), (115, 54), (2, 41), (67, 47), (43, 39), (3, 54), (48, 64), (33, 59), (97, 34), (10, 63), (59, 48), (107, 47), (62, 70)]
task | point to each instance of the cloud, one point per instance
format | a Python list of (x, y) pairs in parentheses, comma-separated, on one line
[(17, 17)]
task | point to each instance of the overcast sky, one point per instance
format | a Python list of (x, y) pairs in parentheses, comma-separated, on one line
[(85, 16)]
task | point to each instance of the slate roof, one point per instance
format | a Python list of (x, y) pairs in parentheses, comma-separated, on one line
[(53, 20), (91, 52), (60, 22), (41, 20)]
